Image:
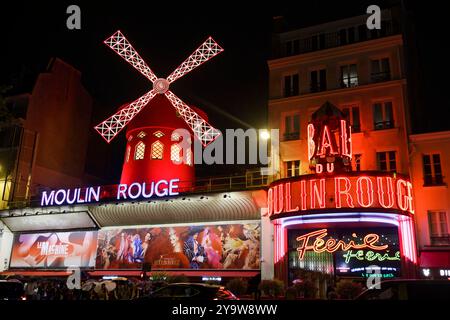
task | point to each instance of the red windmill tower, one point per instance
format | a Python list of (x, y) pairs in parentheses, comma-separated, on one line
[(152, 152)]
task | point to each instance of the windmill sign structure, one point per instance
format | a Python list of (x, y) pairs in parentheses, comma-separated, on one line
[(109, 128)]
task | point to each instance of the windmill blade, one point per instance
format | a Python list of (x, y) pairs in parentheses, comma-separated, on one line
[(111, 127), (123, 48), (209, 49), (199, 126)]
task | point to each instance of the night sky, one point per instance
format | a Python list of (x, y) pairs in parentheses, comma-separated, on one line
[(231, 88)]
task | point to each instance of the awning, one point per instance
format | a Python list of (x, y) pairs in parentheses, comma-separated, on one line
[(228, 206), (435, 259)]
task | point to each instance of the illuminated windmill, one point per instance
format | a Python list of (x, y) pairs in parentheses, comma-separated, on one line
[(199, 126)]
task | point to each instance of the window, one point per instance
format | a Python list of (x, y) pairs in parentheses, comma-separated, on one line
[(292, 47), (383, 117), (158, 134), (291, 86), (292, 127), (352, 115), (381, 70), (157, 150), (293, 168), (432, 172), (438, 226), (127, 155), (349, 76), (141, 134), (347, 36), (357, 161), (139, 152), (318, 80), (386, 161)]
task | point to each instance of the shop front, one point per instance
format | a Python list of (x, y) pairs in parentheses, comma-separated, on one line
[(355, 225), (200, 236)]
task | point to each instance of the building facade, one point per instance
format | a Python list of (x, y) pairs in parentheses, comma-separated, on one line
[(323, 216)]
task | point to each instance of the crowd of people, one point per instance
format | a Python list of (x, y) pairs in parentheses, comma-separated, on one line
[(89, 290)]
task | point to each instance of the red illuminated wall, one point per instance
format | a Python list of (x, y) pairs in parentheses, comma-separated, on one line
[(158, 115)]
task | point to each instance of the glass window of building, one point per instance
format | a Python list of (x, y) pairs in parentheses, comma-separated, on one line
[(386, 161), (292, 127), (380, 70), (349, 76), (383, 116), (438, 227), (291, 85), (352, 115), (432, 171)]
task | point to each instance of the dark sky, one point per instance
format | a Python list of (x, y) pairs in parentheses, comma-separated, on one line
[(231, 86)]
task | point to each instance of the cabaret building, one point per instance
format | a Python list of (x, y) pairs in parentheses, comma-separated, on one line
[(345, 201)]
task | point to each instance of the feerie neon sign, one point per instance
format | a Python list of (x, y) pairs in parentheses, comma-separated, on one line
[(331, 245), (362, 191), (135, 190)]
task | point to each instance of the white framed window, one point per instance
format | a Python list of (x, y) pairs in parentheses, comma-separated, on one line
[(292, 168), (157, 150), (438, 227), (349, 76), (380, 70), (432, 170), (139, 151), (291, 85), (386, 161), (383, 115)]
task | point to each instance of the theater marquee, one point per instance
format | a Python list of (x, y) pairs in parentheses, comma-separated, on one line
[(353, 191)]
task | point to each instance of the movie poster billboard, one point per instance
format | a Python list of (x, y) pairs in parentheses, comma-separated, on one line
[(54, 250), (227, 246)]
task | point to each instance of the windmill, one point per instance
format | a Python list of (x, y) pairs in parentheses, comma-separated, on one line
[(201, 129)]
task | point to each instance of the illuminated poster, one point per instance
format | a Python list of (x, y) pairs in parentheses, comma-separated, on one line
[(54, 250), (231, 246), (356, 252)]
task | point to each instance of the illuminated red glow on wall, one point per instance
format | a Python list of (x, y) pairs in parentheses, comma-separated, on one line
[(363, 191)]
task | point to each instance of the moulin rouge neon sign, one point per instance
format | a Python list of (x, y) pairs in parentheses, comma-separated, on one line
[(331, 245), (362, 191), (132, 191)]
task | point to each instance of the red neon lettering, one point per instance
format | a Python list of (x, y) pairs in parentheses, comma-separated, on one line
[(410, 197), (289, 199), (339, 192), (311, 143), (332, 245), (278, 199), (401, 198), (319, 168), (270, 202), (389, 192), (303, 194), (330, 167), (317, 194), (344, 140), (326, 142), (368, 191)]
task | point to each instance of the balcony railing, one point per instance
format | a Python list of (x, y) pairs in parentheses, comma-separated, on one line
[(430, 181), (336, 39), (380, 76), (288, 136), (381, 125), (440, 240)]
